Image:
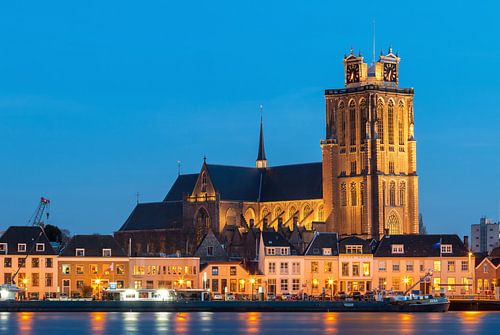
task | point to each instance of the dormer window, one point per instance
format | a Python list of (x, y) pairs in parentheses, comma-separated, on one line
[(106, 252), (271, 251), (210, 251), (284, 251), (21, 247), (327, 251), (353, 249), (40, 247), (398, 249), (446, 249), (80, 252), (3, 248)]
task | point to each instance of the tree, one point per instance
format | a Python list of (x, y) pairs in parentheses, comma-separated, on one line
[(53, 233), (421, 227)]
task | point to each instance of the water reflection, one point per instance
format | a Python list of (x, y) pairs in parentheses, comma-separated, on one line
[(97, 322), (181, 323), (4, 321), (406, 323), (25, 321), (130, 321), (330, 323), (470, 321), (249, 323), (162, 321)]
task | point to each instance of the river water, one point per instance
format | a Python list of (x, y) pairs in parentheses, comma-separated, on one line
[(250, 323)]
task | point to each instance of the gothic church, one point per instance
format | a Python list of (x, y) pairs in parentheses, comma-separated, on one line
[(366, 184)]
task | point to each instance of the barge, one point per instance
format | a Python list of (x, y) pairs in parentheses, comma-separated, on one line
[(437, 304)]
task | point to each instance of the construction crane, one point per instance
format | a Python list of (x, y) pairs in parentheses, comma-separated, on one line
[(35, 220), (43, 208)]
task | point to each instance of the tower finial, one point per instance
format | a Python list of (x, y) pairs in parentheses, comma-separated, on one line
[(373, 37), (261, 161)]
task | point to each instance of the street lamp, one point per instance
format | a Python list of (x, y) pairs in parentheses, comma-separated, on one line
[(330, 282), (252, 281), (98, 282), (406, 281)]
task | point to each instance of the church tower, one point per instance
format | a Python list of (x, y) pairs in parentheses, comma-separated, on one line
[(370, 183), (261, 161)]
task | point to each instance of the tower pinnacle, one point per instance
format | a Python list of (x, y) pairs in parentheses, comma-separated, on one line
[(261, 162)]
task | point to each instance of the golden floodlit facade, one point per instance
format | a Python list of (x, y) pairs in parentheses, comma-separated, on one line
[(365, 185), (370, 183)]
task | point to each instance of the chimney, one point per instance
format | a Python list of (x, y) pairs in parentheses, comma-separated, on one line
[(466, 241)]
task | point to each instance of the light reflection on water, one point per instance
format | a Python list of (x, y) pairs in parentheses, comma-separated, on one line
[(249, 323)]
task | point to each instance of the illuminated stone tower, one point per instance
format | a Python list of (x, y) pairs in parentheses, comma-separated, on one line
[(370, 182)]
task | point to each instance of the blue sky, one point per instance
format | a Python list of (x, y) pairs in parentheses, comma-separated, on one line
[(99, 101)]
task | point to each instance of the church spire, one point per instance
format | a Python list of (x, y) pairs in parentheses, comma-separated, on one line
[(261, 161)]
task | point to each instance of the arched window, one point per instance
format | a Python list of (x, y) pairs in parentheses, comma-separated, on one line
[(294, 215), (401, 130), (354, 195), (352, 122), (306, 212), (265, 217), (392, 193), (321, 213), (250, 217), (380, 121), (231, 217), (278, 215), (362, 191), (343, 194), (363, 119), (390, 121), (202, 224), (342, 132), (204, 181), (393, 225), (402, 193)]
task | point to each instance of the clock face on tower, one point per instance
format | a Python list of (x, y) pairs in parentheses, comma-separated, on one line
[(390, 72), (352, 73)]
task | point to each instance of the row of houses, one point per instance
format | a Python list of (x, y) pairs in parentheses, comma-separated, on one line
[(89, 264)]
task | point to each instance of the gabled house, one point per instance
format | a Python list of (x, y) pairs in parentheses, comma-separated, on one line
[(402, 260), (91, 263), (28, 260)]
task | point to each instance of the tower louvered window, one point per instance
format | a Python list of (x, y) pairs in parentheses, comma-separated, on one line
[(352, 122), (343, 194), (380, 121), (401, 124), (390, 121), (392, 193), (402, 193), (342, 132), (354, 195), (363, 119)]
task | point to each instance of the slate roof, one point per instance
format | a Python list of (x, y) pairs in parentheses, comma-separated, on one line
[(320, 241), (273, 239), (93, 245), (184, 184), (154, 215), (354, 240), (495, 252), (421, 246), (235, 182), (279, 183), (293, 182), (29, 235)]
